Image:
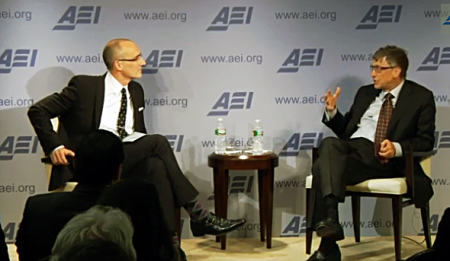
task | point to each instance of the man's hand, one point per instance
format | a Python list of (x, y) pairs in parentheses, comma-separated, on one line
[(59, 156), (387, 149), (331, 99)]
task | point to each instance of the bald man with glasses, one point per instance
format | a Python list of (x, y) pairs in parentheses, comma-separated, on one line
[(115, 102)]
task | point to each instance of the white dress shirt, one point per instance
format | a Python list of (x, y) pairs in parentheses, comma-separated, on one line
[(111, 106), (368, 124)]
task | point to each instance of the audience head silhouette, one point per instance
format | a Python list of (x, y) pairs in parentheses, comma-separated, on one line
[(98, 158)]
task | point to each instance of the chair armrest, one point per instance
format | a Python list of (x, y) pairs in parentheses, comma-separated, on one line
[(409, 167), (46, 160), (423, 154)]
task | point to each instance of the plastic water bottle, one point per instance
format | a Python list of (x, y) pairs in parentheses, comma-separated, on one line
[(258, 133), (221, 137)]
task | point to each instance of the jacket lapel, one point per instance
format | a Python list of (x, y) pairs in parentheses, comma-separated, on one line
[(99, 99), (133, 95), (401, 106), (363, 104)]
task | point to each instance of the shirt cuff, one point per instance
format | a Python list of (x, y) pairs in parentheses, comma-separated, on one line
[(330, 114), (57, 148), (398, 149)]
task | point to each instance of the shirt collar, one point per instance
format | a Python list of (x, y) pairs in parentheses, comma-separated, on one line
[(395, 92), (114, 84)]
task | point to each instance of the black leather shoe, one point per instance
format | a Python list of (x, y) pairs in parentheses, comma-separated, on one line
[(214, 225), (330, 228), (319, 256)]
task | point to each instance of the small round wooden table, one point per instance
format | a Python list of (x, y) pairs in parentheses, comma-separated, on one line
[(265, 165)]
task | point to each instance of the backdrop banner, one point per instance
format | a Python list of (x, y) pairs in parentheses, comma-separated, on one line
[(240, 61)]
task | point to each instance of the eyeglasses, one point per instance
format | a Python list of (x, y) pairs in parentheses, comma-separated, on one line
[(379, 69), (131, 60)]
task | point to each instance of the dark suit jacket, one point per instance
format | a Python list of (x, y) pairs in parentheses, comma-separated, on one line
[(139, 199), (45, 215), (3, 247), (439, 251), (412, 126), (443, 234), (79, 108)]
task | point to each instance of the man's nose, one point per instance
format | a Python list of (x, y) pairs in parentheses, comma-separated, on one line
[(142, 61)]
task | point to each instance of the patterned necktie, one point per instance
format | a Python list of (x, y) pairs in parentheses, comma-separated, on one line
[(383, 123), (122, 115)]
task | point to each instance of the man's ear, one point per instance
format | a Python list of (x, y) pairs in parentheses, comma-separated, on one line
[(397, 71), (117, 66)]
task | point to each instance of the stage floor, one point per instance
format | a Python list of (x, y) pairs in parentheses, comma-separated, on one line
[(287, 249)]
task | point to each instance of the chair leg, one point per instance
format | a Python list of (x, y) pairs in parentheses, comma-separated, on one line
[(309, 232), (356, 212), (397, 211), (425, 212)]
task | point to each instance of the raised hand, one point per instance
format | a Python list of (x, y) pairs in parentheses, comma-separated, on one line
[(331, 99)]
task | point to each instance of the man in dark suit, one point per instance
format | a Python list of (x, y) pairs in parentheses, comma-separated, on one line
[(388, 118), (3, 247), (114, 102), (98, 164)]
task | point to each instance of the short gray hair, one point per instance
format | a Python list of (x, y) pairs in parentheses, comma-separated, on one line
[(99, 222)]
